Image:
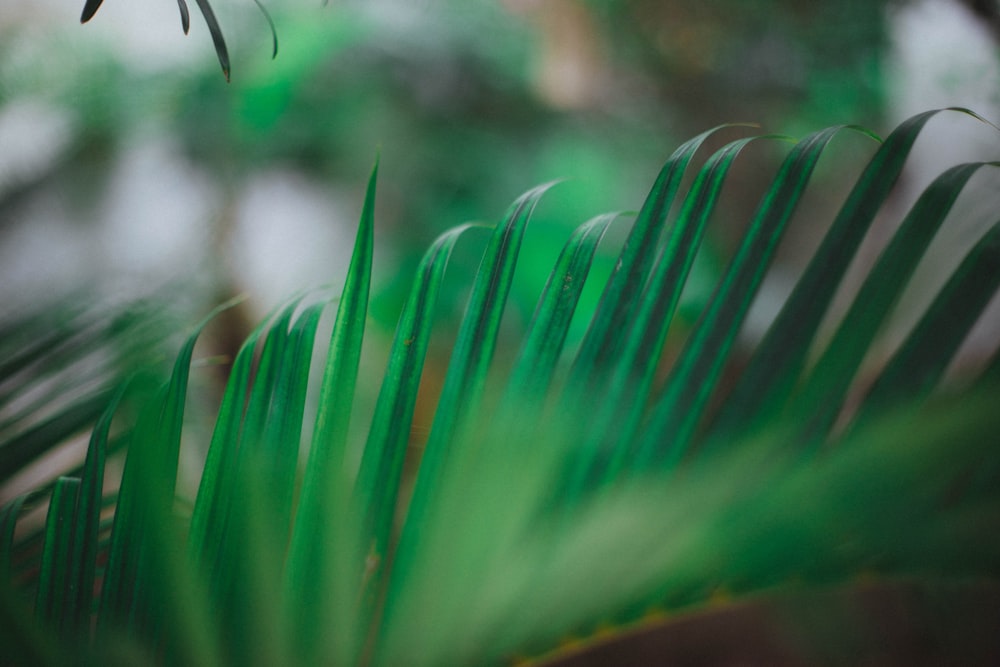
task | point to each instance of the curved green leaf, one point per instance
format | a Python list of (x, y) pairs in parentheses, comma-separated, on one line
[(543, 343), (376, 491), (916, 368), (217, 477), (819, 401), (57, 591), (185, 16), (87, 519), (270, 25), (461, 393), (605, 335), (145, 501), (768, 379), (623, 403), (217, 39), (693, 379)]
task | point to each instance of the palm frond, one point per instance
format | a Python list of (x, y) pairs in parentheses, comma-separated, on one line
[(570, 501)]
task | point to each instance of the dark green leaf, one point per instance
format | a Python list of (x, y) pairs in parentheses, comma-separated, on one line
[(270, 24), (56, 580), (821, 397), (185, 16), (767, 381), (216, 32), (693, 379), (605, 335), (89, 9), (616, 416), (918, 365)]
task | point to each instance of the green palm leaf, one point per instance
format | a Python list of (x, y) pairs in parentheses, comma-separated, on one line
[(548, 516)]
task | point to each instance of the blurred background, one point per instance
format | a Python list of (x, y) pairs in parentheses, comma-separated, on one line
[(129, 165)]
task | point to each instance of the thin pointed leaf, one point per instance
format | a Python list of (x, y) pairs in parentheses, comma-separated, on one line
[(820, 399), (376, 491), (543, 344), (216, 487), (259, 512), (265, 384), (88, 511), (918, 365), (623, 403), (220, 531), (776, 365), (146, 498), (185, 16), (310, 577), (463, 386), (89, 9), (381, 464), (216, 31), (56, 581), (284, 428), (474, 347), (270, 24), (8, 522), (693, 380), (625, 284)]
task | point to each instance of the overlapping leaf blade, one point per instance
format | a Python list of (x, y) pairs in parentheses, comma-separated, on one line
[(485, 570), (143, 537), (217, 480), (450, 444), (604, 336), (531, 376), (643, 335), (917, 367), (693, 379), (768, 380), (377, 488), (819, 401)]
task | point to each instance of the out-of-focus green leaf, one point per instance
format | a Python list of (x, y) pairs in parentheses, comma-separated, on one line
[(143, 537), (57, 592), (270, 25), (87, 515), (8, 522)]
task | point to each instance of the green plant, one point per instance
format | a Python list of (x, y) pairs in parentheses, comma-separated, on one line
[(569, 495), (90, 8)]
